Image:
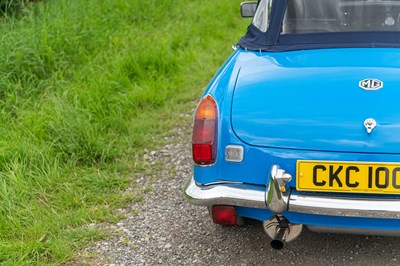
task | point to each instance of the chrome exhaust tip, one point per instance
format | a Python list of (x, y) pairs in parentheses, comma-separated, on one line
[(281, 231)]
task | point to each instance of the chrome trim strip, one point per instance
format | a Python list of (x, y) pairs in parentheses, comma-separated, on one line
[(222, 182), (226, 194), (339, 206)]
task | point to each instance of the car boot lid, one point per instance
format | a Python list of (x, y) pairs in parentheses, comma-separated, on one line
[(329, 99)]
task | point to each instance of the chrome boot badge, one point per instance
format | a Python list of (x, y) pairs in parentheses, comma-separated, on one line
[(371, 84), (369, 124)]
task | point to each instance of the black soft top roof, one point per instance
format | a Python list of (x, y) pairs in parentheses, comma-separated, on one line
[(274, 41)]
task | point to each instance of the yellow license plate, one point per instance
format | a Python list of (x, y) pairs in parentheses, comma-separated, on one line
[(355, 177)]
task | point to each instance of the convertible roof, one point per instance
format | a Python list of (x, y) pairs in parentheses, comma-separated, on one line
[(255, 39), (273, 40)]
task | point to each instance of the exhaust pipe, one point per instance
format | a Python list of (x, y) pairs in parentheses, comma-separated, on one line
[(278, 242), (281, 231)]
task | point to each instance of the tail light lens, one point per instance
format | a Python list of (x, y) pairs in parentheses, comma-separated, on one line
[(205, 131)]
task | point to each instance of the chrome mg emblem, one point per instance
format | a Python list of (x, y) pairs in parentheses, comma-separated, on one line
[(369, 124), (371, 84)]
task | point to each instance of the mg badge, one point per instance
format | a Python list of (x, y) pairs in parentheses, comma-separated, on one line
[(371, 84), (370, 124)]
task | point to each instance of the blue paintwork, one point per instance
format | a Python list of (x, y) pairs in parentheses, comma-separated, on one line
[(289, 106)]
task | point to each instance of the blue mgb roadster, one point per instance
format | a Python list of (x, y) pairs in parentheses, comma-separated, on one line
[(301, 125)]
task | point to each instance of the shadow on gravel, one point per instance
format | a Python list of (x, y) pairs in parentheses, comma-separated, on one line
[(248, 245)]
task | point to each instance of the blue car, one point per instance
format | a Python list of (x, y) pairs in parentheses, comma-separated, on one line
[(301, 125)]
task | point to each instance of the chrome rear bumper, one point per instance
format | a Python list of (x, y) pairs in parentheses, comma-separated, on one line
[(225, 194), (237, 194)]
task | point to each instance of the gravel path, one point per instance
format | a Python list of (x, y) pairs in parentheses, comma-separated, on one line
[(166, 230)]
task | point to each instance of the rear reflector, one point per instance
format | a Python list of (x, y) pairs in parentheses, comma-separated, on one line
[(204, 138), (225, 215), (202, 153)]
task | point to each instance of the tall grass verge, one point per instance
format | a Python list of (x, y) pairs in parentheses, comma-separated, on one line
[(85, 87)]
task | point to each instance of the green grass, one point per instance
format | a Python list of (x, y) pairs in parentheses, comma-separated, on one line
[(13, 7), (85, 87)]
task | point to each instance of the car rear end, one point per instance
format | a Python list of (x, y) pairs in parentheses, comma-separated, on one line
[(301, 137)]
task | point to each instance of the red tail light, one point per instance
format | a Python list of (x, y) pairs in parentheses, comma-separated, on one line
[(205, 131), (225, 215)]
